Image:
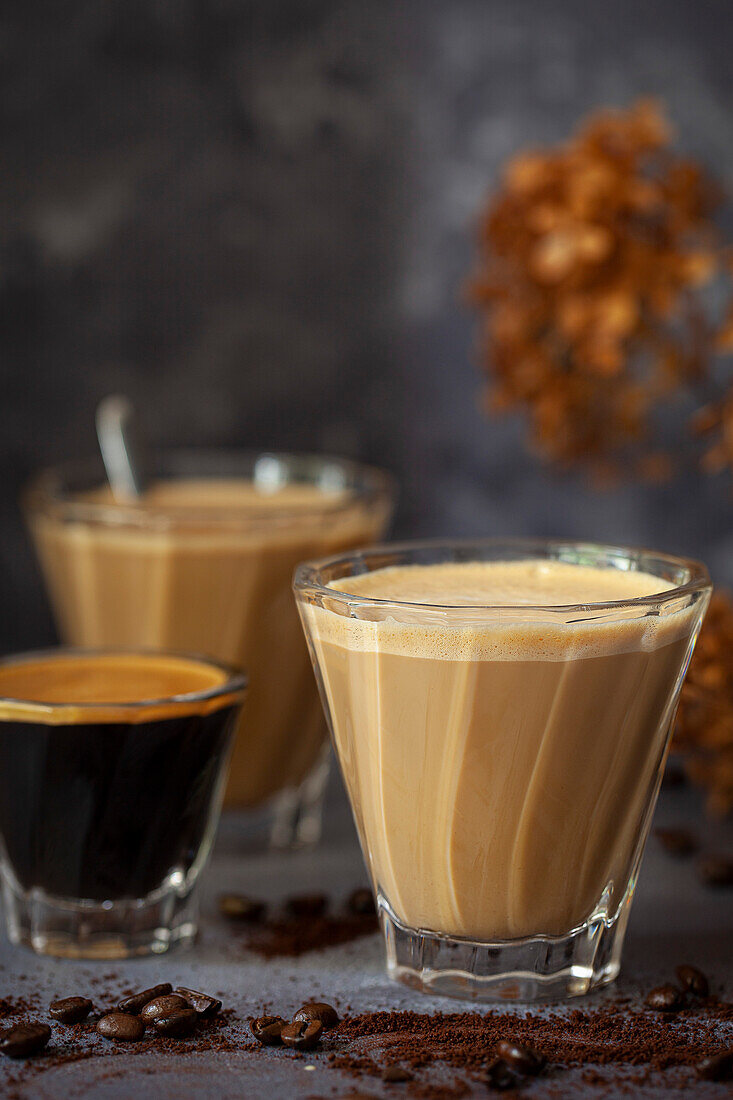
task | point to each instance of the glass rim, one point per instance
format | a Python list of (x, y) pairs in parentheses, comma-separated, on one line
[(48, 491), (307, 577), (234, 683)]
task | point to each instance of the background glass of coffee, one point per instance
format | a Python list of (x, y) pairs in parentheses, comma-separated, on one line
[(112, 770), (204, 563), (501, 711)]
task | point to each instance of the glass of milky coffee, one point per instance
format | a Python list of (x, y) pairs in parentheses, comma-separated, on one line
[(203, 562), (501, 711)]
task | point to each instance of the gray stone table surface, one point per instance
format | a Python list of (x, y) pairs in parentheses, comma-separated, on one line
[(674, 920)]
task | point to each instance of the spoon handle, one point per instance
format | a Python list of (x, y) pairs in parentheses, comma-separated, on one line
[(115, 421)]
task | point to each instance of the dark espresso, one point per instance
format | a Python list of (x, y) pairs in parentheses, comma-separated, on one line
[(112, 772)]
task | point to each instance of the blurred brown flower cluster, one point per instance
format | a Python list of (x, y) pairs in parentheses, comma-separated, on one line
[(704, 730), (592, 258)]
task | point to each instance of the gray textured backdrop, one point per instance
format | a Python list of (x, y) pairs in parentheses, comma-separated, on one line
[(255, 216)]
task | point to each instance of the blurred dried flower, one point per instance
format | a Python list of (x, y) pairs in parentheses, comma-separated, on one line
[(592, 256), (704, 730), (715, 421)]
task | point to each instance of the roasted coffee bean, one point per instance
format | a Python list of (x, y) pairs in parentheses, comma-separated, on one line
[(665, 998), (163, 1006), (267, 1029), (137, 1002), (70, 1010), (302, 1034), (307, 905), (677, 842), (522, 1059), (238, 907), (361, 903), (205, 1005), (717, 1068), (716, 870), (326, 1016), (395, 1074), (177, 1024), (122, 1027), (693, 980), (23, 1040), (499, 1077)]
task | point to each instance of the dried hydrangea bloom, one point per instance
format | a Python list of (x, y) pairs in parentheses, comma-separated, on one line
[(592, 256)]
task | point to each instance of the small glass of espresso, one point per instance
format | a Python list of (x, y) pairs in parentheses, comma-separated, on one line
[(501, 711), (112, 771)]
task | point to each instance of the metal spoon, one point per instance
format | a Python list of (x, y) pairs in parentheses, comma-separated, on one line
[(120, 447)]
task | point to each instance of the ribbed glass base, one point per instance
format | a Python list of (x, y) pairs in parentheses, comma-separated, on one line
[(532, 969), (108, 930)]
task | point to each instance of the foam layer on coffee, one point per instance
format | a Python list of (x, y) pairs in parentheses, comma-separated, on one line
[(227, 495), (503, 583), (67, 687), (500, 620)]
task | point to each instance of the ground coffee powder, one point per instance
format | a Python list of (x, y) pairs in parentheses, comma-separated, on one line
[(613, 1036), (288, 938), (617, 1048), (305, 923)]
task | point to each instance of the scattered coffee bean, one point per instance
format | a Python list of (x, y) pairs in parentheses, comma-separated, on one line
[(522, 1059), (677, 842), (717, 1068), (302, 1034), (665, 998), (395, 1074), (205, 1005), (267, 1029), (307, 905), (238, 907), (137, 1002), (23, 1040), (177, 1024), (361, 903), (498, 1076), (716, 870), (122, 1027), (70, 1010), (693, 980), (326, 1016), (163, 1006)]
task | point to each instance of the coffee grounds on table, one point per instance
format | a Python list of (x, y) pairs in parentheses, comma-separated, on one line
[(304, 923), (290, 937), (20, 1006), (617, 1048), (621, 1040)]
